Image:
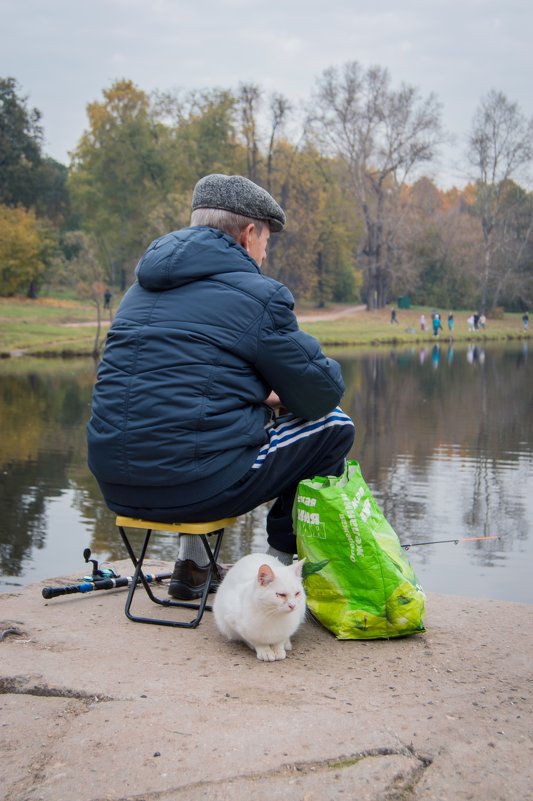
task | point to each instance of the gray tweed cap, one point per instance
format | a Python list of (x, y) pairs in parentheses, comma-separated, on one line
[(239, 195)]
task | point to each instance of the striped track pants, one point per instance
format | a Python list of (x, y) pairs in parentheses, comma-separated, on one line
[(296, 449)]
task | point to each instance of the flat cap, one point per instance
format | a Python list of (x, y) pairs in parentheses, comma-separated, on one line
[(239, 195)]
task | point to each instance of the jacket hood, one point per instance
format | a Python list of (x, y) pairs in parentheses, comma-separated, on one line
[(189, 255)]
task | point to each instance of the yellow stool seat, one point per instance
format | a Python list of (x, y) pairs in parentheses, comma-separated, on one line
[(180, 528), (204, 530)]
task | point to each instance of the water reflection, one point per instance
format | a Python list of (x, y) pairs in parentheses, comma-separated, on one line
[(444, 437)]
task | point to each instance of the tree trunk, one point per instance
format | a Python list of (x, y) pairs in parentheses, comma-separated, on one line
[(96, 345)]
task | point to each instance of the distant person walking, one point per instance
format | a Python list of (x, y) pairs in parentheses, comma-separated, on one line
[(107, 299), (393, 318), (422, 322), (525, 320), (451, 323), (470, 322), (437, 325)]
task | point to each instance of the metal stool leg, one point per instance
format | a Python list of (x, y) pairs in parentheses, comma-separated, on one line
[(139, 577)]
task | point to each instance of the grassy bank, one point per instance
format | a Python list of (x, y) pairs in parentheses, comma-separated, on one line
[(46, 327), (370, 328), (54, 327)]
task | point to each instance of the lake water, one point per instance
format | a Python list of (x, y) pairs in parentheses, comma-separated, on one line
[(444, 439)]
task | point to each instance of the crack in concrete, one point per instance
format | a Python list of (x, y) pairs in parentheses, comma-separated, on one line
[(401, 789), (19, 685), (344, 762), (10, 632)]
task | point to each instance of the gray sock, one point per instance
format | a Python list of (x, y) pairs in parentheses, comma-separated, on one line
[(192, 547), (284, 558)]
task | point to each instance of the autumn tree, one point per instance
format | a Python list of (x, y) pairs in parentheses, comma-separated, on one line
[(200, 138), (380, 136), (440, 245), (500, 149), (314, 257), (118, 174), (270, 160), (512, 283), (135, 167), (203, 125), (27, 245)]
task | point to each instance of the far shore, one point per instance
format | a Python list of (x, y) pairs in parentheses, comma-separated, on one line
[(51, 327)]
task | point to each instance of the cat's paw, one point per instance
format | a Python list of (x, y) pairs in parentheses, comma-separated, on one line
[(279, 651), (287, 645), (266, 654)]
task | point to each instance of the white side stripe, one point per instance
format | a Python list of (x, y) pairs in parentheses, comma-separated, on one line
[(296, 429)]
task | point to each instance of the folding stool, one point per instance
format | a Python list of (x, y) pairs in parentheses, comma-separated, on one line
[(204, 530)]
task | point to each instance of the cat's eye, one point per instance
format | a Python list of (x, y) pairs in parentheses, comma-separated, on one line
[(297, 594), (281, 594)]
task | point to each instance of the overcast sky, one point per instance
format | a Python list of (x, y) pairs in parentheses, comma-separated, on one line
[(64, 53)]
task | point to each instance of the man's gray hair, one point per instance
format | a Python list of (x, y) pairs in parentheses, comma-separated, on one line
[(226, 221)]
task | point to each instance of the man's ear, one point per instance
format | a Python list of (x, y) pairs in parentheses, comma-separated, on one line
[(245, 236)]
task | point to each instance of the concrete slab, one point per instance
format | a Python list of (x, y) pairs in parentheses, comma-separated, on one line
[(95, 707)]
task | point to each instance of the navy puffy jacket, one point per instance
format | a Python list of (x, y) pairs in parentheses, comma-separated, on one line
[(196, 346)]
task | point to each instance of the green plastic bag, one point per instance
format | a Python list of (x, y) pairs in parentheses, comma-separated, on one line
[(368, 589)]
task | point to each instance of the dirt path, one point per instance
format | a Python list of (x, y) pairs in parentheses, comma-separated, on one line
[(324, 314), (306, 317), (87, 324)]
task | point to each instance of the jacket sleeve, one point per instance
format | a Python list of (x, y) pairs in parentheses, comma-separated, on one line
[(292, 363)]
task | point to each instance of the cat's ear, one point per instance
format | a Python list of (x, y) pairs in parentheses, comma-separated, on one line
[(265, 575), (298, 567)]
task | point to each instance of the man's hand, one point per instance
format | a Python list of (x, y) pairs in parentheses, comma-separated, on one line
[(274, 401)]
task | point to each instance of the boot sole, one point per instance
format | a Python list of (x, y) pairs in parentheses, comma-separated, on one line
[(182, 592)]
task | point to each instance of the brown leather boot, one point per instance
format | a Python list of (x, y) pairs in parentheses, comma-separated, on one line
[(188, 580)]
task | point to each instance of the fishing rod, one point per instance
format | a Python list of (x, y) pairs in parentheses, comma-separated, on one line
[(455, 541), (100, 584), (101, 579)]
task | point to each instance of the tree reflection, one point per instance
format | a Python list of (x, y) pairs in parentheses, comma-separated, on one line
[(444, 438), (466, 426), (42, 410)]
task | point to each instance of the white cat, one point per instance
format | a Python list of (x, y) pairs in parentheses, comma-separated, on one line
[(261, 602)]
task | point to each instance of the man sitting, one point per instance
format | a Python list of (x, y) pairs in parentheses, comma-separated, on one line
[(209, 399)]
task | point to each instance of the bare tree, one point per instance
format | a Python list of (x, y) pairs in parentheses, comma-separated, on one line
[(280, 108), (249, 98), (500, 148), (381, 136)]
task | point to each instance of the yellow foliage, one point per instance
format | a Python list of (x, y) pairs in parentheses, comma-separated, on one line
[(21, 248)]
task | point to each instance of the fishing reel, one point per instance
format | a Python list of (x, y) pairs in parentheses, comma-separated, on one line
[(98, 573)]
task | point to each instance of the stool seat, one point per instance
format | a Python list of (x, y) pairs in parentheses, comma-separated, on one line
[(180, 528), (204, 530)]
